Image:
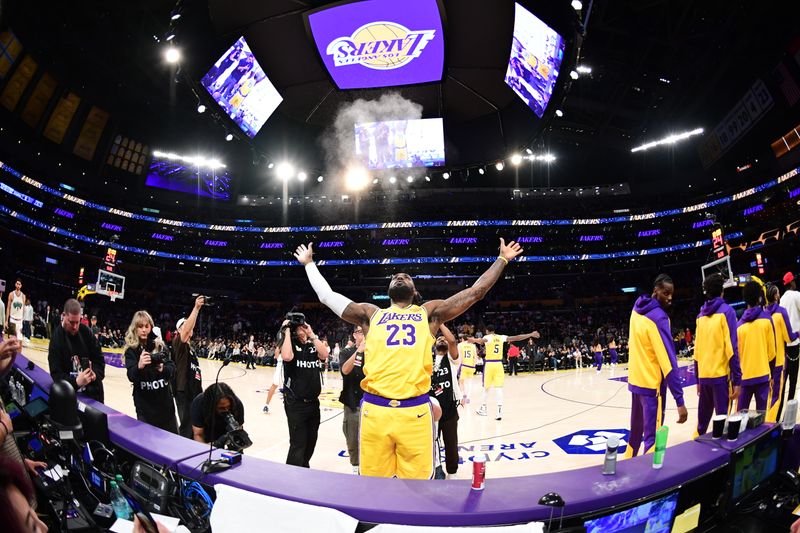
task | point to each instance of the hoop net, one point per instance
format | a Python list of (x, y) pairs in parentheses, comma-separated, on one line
[(113, 295)]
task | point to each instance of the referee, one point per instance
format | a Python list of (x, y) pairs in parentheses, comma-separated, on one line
[(303, 354)]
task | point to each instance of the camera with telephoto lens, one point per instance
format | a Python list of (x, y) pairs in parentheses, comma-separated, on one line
[(295, 319), (157, 358), (236, 438)]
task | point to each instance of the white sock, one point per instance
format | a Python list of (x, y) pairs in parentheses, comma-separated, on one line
[(467, 387), (485, 396), (498, 393)]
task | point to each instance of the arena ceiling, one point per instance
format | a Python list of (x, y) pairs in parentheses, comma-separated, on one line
[(657, 67)]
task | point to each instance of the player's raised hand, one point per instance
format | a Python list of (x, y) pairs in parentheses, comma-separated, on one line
[(510, 251), (304, 254)]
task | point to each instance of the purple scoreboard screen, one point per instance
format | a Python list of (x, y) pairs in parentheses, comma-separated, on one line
[(183, 177), (400, 143), (380, 43), (238, 84), (536, 55)]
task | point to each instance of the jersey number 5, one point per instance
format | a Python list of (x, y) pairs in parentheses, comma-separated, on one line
[(394, 329)]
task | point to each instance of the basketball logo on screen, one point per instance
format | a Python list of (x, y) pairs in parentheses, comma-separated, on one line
[(380, 46)]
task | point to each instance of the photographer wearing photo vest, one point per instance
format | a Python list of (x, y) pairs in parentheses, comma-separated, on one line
[(303, 355)]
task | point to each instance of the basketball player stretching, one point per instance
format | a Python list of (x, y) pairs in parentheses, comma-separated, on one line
[(396, 419), (493, 375)]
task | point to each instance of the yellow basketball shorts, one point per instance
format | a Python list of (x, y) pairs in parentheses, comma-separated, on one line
[(467, 371), (396, 437), (493, 374)]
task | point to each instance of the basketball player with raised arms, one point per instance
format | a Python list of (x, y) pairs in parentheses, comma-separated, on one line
[(493, 375), (396, 437)]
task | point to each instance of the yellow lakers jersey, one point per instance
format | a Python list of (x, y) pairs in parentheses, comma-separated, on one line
[(467, 353), (494, 347), (397, 357)]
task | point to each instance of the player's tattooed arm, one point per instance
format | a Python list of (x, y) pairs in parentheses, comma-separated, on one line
[(441, 311)]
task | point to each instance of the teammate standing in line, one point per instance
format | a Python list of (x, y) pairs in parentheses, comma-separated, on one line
[(756, 348), (716, 354), (15, 308), (783, 335), (396, 417), (652, 366), (468, 355), (493, 375), (791, 302)]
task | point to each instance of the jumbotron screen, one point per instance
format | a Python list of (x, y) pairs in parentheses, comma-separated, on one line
[(400, 143), (536, 55), (179, 176), (238, 84), (380, 43)]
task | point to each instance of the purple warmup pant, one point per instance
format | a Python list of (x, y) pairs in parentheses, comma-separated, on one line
[(761, 393), (713, 397), (598, 360), (614, 356), (647, 415), (777, 374)]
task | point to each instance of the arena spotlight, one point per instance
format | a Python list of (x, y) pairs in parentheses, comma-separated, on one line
[(301, 176), (320, 179), (201, 108), (175, 15), (559, 113), (671, 139), (516, 159), (392, 179), (229, 137), (577, 5), (446, 175), (271, 165), (410, 179), (284, 171), (481, 171), (375, 181), (170, 36), (172, 55), (574, 74), (427, 178), (356, 178), (500, 166), (584, 69)]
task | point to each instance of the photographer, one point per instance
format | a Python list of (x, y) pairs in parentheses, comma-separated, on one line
[(150, 370), (188, 379), (352, 374), (303, 354), (211, 410), (74, 354)]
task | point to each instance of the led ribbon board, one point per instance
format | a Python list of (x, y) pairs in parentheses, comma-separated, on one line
[(379, 43)]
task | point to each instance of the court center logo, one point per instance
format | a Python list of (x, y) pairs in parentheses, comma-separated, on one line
[(591, 441), (380, 46)]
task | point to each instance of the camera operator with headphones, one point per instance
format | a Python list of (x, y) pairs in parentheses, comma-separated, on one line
[(150, 369), (303, 354)]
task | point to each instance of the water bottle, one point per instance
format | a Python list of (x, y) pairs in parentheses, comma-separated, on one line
[(121, 507), (22, 396), (12, 384)]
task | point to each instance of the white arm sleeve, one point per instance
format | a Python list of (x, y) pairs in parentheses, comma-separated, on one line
[(335, 301)]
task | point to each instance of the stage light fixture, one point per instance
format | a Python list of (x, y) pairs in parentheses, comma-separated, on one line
[(671, 139), (172, 55), (284, 171), (481, 171), (446, 175), (229, 137), (427, 178), (271, 165), (516, 159), (170, 36), (559, 113), (392, 179), (500, 166), (301, 176), (410, 179), (574, 74), (584, 69), (356, 178), (577, 5), (320, 179), (375, 181), (175, 15), (201, 108)]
